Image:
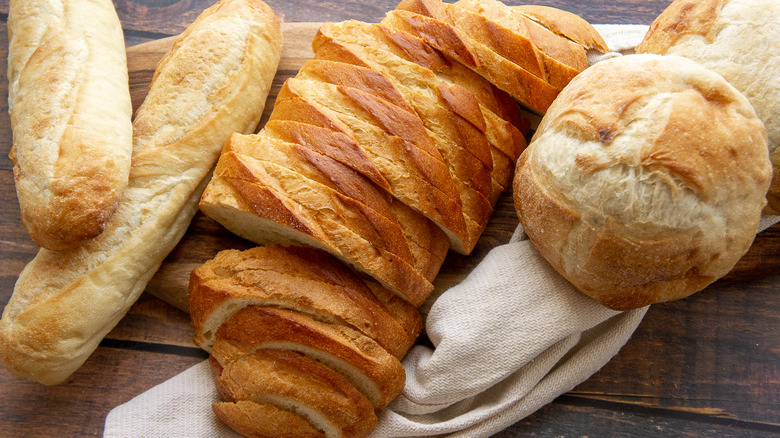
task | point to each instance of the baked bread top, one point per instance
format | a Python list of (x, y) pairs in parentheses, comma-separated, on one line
[(69, 104), (739, 40), (645, 180)]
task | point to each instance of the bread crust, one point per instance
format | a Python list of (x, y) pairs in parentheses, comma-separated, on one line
[(646, 190), (283, 277), (738, 40), (565, 24), (358, 358), (69, 102), (308, 213), (300, 386), (65, 302)]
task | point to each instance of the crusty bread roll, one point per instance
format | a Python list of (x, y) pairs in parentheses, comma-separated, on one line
[(69, 102), (738, 39), (645, 180), (213, 82)]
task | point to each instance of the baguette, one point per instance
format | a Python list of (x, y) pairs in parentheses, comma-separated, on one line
[(278, 205), (563, 23), (69, 102), (213, 82), (388, 148)]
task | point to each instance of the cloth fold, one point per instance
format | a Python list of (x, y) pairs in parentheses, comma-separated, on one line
[(508, 340)]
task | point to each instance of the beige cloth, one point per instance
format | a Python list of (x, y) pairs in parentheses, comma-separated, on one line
[(509, 339)]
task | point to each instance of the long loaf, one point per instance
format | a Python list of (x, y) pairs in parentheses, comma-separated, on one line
[(387, 149), (70, 109), (212, 83)]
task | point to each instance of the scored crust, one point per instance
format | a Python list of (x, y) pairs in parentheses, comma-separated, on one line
[(646, 190), (301, 279), (738, 40), (70, 111)]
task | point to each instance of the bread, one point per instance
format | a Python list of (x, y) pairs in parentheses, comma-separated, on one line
[(278, 320), (303, 301), (520, 56), (70, 109), (302, 279), (565, 24), (386, 150), (644, 181), (212, 83), (299, 384), (737, 39)]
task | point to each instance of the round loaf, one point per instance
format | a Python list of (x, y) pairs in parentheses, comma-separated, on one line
[(645, 180), (738, 39)]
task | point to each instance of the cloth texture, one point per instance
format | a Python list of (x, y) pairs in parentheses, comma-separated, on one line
[(507, 340)]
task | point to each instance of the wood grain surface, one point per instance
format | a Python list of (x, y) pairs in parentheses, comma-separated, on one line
[(703, 366)]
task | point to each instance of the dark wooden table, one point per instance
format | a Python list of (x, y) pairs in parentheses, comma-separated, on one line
[(704, 366)]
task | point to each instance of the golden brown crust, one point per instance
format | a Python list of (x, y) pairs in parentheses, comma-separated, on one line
[(736, 39), (646, 190), (295, 383), (70, 111), (566, 24), (65, 302), (370, 368), (302, 279)]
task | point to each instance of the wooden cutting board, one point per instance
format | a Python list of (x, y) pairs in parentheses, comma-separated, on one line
[(205, 238)]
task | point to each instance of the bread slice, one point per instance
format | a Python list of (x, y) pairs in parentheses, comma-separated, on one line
[(533, 92), (338, 177), (259, 420), (301, 386), (556, 52), (282, 277), (421, 233), (268, 204), (565, 24), (418, 176), (377, 374)]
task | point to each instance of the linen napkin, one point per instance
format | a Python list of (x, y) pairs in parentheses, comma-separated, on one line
[(508, 340)]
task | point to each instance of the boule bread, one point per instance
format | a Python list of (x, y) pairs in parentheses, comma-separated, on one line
[(69, 102), (738, 39), (64, 302), (645, 180)]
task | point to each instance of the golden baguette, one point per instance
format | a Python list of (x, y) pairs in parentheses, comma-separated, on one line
[(70, 109), (392, 126), (64, 303)]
